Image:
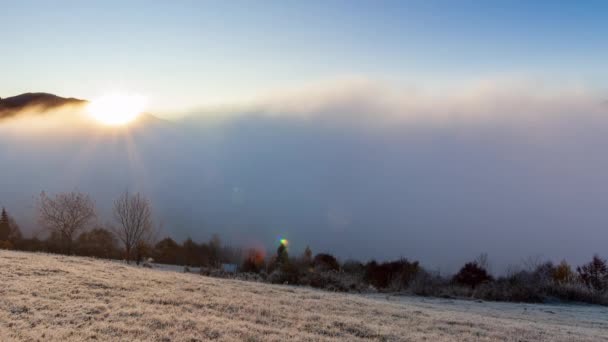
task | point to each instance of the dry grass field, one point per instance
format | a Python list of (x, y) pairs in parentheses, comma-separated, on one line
[(59, 298)]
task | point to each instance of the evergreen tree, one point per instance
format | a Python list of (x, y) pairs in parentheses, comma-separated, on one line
[(5, 226), (282, 256)]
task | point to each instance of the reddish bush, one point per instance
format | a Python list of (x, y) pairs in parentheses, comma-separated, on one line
[(254, 263)]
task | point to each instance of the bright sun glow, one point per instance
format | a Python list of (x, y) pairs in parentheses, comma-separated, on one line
[(117, 109)]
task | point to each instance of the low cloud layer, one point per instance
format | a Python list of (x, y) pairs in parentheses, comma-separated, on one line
[(362, 169), (493, 100)]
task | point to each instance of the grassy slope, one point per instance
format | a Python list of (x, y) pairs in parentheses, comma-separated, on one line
[(48, 297)]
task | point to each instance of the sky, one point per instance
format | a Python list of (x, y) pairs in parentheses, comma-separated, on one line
[(192, 54), (369, 129)]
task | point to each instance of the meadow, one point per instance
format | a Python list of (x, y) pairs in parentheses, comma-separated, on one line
[(45, 297)]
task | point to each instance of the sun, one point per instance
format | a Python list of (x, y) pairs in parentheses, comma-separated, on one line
[(116, 109)]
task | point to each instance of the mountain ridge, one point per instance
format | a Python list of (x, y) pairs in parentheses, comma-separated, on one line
[(12, 106), (44, 102)]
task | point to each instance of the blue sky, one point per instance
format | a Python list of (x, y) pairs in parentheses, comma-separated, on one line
[(185, 54)]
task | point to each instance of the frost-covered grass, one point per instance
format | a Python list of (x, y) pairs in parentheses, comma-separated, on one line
[(50, 297)]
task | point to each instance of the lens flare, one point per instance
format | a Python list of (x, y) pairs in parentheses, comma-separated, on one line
[(284, 242)]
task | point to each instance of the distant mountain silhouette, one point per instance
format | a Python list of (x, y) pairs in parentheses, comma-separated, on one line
[(11, 106)]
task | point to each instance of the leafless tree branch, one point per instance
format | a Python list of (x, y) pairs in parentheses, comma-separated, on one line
[(67, 214), (133, 216)]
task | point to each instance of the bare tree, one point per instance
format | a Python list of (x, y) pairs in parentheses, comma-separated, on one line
[(66, 214), (134, 218), (483, 261)]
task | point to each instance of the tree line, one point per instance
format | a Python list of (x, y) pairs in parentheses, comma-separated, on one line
[(69, 217), (132, 236), (69, 220)]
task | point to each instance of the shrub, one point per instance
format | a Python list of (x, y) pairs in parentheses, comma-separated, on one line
[(576, 292), (396, 274), (276, 277), (543, 274), (167, 251), (539, 285), (563, 273), (285, 273), (594, 274), (291, 272), (403, 273), (335, 281), (142, 251), (254, 262), (30, 245), (325, 262), (527, 285), (99, 243), (427, 284), (522, 287), (509, 290), (353, 267), (6, 245), (55, 243), (471, 274)]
